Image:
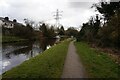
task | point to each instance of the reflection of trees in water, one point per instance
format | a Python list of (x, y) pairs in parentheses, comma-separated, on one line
[(8, 56), (17, 44), (25, 50), (27, 47), (44, 42), (31, 52)]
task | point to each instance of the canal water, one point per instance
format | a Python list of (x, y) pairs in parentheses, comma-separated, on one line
[(16, 53)]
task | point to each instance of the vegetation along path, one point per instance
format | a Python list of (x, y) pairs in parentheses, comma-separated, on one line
[(73, 67)]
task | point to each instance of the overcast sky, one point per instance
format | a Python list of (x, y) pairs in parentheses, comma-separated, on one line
[(75, 12)]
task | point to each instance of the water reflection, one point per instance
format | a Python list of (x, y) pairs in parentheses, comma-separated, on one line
[(45, 42), (14, 54)]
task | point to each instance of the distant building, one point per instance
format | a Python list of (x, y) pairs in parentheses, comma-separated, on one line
[(8, 23), (1, 21)]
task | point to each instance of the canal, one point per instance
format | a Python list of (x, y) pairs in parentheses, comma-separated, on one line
[(16, 53)]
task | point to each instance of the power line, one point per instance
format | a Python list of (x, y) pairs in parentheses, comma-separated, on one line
[(57, 16)]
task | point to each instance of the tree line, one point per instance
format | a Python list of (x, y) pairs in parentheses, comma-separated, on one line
[(28, 31), (51, 31), (103, 31)]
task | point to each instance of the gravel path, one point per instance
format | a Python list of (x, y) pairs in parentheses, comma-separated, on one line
[(73, 67)]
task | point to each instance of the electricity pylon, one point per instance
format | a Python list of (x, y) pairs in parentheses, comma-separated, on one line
[(57, 16)]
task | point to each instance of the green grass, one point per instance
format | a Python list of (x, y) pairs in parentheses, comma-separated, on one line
[(10, 39), (48, 64), (97, 64)]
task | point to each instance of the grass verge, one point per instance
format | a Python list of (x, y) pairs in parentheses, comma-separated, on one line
[(48, 64), (5, 39), (97, 64)]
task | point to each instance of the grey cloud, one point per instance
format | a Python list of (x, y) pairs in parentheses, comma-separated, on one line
[(74, 13), (80, 4)]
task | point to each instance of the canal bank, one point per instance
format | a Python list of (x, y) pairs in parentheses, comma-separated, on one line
[(49, 64), (8, 39)]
